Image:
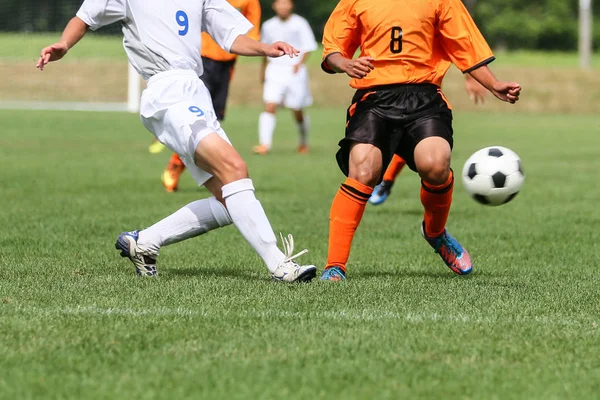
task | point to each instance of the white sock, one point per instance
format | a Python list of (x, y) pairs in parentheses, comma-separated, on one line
[(190, 221), (266, 127), (303, 130), (249, 217)]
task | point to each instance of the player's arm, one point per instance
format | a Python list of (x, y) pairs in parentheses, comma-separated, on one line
[(340, 41), (263, 70), (475, 90), (252, 14), (468, 50), (229, 28), (303, 60), (505, 91), (73, 33), (309, 44), (91, 15), (245, 46)]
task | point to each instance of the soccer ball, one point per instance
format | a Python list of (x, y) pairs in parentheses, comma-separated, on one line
[(493, 176)]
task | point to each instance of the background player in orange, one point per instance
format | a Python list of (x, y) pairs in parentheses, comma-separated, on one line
[(218, 71), (382, 191), (406, 47)]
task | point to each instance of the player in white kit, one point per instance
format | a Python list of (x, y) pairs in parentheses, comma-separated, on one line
[(285, 79), (162, 40)]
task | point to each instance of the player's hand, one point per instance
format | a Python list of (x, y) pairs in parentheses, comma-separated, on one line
[(475, 90), (358, 68), (507, 91), (279, 49), (52, 53)]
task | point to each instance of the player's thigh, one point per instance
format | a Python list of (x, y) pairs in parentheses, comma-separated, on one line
[(365, 163), (432, 141), (365, 126), (183, 125), (215, 154)]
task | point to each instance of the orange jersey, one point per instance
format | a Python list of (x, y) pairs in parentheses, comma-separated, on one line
[(251, 10), (412, 41)]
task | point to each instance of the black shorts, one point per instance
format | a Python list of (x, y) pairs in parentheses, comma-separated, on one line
[(216, 77), (395, 119)]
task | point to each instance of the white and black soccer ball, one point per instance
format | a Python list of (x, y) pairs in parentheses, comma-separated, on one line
[(493, 176)]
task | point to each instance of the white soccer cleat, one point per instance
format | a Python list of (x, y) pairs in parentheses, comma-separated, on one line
[(145, 265), (288, 270)]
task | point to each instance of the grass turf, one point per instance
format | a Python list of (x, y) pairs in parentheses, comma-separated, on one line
[(26, 47), (76, 323)]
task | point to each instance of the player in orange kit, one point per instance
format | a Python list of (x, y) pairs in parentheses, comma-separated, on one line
[(218, 71), (406, 48), (382, 191)]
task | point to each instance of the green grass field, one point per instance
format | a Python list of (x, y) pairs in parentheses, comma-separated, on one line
[(76, 323), (26, 47)]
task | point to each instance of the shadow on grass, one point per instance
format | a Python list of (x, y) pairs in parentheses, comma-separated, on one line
[(477, 278), (211, 272), (394, 212), (405, 274)]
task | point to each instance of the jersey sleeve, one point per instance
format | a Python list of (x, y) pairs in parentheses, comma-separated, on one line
[(253, 13), (99, 13), (461, 39), (341, 33), (224, 23), (309, 43)]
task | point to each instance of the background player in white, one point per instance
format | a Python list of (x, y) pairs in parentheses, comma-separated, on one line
[(162, 40), (285, 79)]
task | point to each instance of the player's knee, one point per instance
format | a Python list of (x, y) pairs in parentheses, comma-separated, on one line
[(235, 169), (435, 173), (271, 108), (369, 176), (299, 116)]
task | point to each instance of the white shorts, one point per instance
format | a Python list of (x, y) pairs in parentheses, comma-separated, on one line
[(283, 87), (176, 107)]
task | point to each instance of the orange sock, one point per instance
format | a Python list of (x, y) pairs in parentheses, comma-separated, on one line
[(394, 168), (436, 200), (176, 161), (346, 212)]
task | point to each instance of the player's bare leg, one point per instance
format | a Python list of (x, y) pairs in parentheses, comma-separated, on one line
[(432, 159), (303, 124), (384, 189), (266, 127), (348, 207), (172, 173), (219, 158)]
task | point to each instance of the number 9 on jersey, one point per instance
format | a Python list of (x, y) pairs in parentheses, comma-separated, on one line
[(183, 21)]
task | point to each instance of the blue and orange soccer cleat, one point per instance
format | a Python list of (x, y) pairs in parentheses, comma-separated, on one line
[(381, 193), (452, 253), (333, 274), (145, 265)]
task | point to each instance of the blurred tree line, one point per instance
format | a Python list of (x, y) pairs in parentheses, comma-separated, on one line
[(510, 24)]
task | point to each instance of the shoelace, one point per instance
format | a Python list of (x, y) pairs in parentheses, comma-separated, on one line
[(288, 248)]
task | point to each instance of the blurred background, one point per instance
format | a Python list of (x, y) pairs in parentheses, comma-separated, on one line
[(546, 45)]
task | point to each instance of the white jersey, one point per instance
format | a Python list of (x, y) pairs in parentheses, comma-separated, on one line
[(295, 31), (161, 35)]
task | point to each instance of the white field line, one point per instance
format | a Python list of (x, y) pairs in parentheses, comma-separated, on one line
[(62, 106), (365, 315)]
